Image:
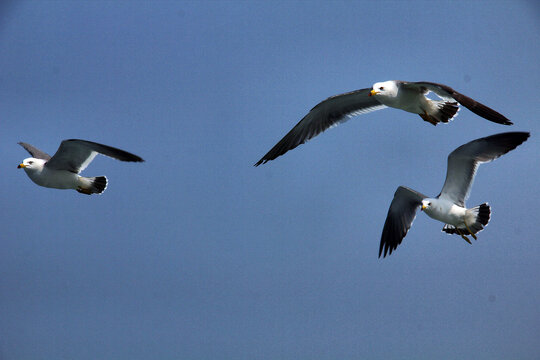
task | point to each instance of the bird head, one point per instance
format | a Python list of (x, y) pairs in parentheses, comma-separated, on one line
[(31, 164), (386, 88), (426, 204)]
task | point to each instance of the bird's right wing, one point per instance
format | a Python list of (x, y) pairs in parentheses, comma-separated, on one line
[(74, 155), (35, 152), (445, 92), (463, 162), (400, 218), (328, 113)]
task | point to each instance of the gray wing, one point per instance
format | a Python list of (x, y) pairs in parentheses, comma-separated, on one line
[(400, 218), (463, 162), (75, 155), (328, 113), (446, 92), (35, 152)]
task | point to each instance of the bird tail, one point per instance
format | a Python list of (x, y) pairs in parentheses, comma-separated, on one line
[(444, 111), (480, 215), (93, 185)]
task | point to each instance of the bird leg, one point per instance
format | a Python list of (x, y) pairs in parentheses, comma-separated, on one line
[(474, 236), (428, 118), (463, 236)]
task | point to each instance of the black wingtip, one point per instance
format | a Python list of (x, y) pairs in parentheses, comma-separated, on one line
[(503, 120), (511, 139), (386, 248), (498, 120), (136, 159), (492, 115), (478, 108), (129, 157)]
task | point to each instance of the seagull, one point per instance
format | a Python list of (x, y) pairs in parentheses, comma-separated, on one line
[(73, 156), (449, 206), (408, 96)]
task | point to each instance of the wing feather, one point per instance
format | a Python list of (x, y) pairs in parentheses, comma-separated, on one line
[(464, 161), (75, 155), (35, 152), (446, 92), (399, 219), (330, 112)]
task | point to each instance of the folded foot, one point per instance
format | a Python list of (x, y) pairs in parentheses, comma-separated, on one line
[(463, 236)]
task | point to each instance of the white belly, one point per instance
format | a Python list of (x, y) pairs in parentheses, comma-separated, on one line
[(408, 100), (448, 213), (58, 179)]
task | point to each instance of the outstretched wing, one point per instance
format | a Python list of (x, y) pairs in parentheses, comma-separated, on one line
[(35, 152), (463, 162), (446, 92), (75, 155), (400, 218), (328, 113)]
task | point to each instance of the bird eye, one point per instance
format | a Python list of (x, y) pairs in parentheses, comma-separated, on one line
[(381, 88), (429, 204), (30, 162)]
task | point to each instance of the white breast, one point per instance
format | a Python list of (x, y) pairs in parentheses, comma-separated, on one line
[(406, 99), (446, 212), (58, 179)]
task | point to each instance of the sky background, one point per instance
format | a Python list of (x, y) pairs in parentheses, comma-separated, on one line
[(196, 254)]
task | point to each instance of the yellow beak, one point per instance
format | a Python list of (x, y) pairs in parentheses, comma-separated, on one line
[(423, 207), (21, 166), (373, 92)]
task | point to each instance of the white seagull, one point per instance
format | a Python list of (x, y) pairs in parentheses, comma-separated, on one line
[(408, 96), (73, 156), (449, 206)]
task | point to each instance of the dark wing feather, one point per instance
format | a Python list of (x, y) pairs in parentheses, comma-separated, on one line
[(463, 162), (75, 155), (479, 109), (330, 112), (400, 217), (35, 152)]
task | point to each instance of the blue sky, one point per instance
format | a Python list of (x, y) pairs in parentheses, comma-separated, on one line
[(196, 254)]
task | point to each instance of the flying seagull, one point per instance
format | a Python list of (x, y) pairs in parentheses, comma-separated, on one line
[(73, 156), (449, 206), (408, 96)]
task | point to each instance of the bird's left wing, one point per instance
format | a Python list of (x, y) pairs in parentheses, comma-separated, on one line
[(328, 113), (446, 92), (400, 218), (74, 155), (35, 152)]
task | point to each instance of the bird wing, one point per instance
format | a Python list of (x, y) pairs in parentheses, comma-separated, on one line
[(446, 92), (35, 152), (400, 217), (328, 113), (463, 162), (75, 155)]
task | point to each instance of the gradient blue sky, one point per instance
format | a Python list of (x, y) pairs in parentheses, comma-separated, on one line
[(196, 254)]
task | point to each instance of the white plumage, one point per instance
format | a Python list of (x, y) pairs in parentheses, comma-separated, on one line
[(73, 156), (449, 206), (407, 96)]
